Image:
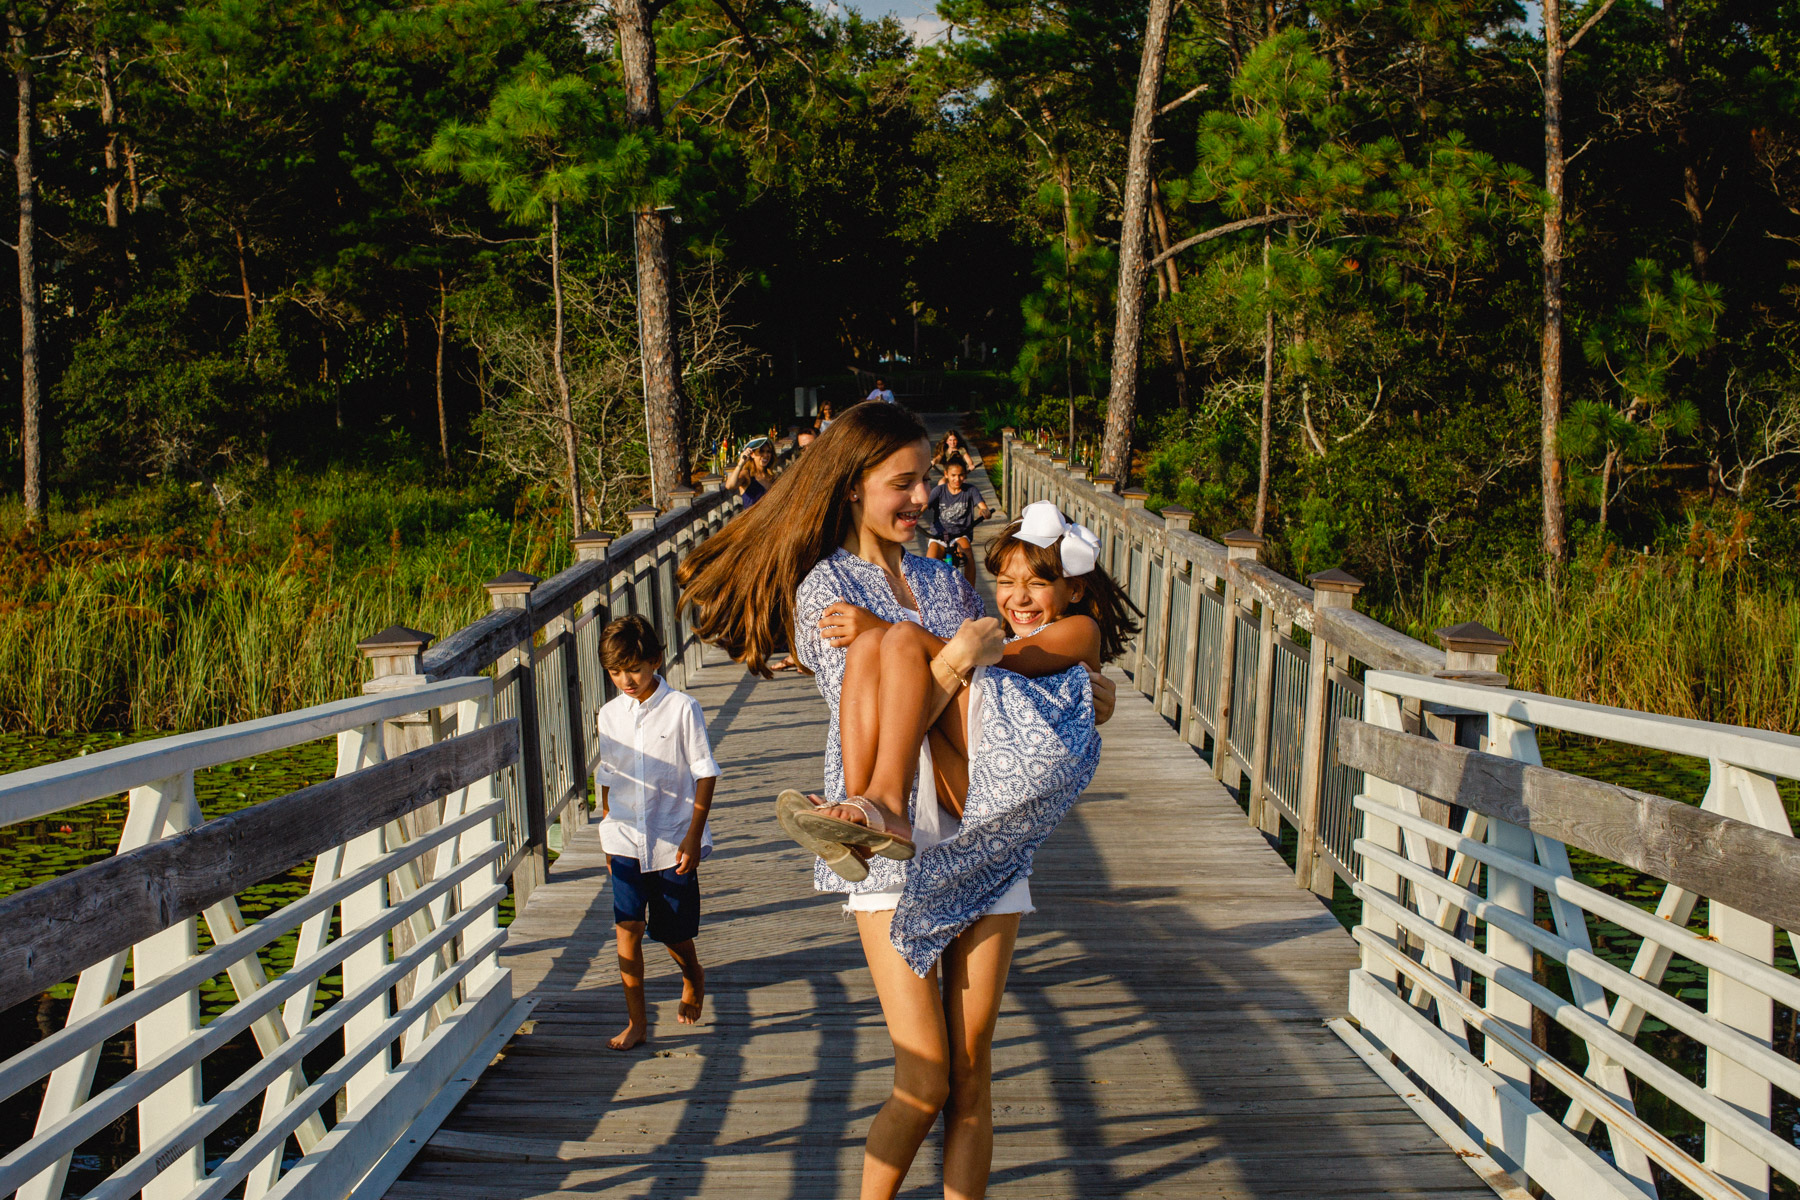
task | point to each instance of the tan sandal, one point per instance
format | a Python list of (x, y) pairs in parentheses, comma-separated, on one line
[(873, 836), (790, 805)]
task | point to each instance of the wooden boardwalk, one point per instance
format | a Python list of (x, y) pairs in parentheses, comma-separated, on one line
[(1162, 1033)]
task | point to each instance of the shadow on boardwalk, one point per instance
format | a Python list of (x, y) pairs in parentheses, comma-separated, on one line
[(1161, 1037)]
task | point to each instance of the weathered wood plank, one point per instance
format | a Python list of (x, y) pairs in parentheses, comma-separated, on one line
[(1373, 643), (1752, 869), (55, 929)]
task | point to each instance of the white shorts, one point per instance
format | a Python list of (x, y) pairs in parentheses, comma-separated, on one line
[(1015, 899)]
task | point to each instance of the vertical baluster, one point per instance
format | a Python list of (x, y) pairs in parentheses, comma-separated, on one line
[(359, 748), (1312, 869), (1263, 815), (1753, 797), (1240, 545), (1193, 730), (172, 802), (1176, 519), (584, 675), (513, 590)]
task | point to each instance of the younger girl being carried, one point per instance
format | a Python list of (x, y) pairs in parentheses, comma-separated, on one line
[(903, 686)]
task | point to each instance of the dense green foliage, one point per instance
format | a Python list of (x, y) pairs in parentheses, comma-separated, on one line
[(279, 240)]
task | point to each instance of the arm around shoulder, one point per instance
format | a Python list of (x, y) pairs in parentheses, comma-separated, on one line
[(1073, 641)]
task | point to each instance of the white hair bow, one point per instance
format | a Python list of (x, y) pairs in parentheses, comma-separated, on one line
[(1042, 524)]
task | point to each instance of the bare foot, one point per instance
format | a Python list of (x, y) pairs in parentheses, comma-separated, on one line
[(633, 1035), (693, 998)]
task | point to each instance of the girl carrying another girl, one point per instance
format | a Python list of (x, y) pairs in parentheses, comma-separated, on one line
[(898, 644)]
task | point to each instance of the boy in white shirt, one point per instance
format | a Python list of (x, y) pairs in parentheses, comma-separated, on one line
[(655, 779)]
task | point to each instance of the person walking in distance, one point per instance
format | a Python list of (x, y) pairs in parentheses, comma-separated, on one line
[(656, 778)]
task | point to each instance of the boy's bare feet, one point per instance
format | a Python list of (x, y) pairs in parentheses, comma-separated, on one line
[(634, 1034), (693, 997)]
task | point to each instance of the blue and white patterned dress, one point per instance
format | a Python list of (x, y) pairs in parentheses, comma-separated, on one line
[(1032, 750), (945, 600)]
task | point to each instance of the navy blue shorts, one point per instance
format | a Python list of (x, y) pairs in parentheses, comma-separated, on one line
[(668, 903)]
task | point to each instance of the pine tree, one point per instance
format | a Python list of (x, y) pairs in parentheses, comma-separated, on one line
[(535, 153)]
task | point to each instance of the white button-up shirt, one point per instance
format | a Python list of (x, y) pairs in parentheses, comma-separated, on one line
[(651, 754)]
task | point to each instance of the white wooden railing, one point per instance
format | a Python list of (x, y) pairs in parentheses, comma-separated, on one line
[(452, 768), (1320, 715), (406, 917), (1453, 992)]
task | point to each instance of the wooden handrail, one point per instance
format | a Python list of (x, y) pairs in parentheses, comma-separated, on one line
[(1752, 869), (55, 929)]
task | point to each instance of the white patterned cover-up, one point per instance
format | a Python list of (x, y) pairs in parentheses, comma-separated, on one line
[(1034, 753)]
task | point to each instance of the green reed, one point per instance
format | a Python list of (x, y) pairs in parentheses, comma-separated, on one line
[(1667, 633), (103, 625)]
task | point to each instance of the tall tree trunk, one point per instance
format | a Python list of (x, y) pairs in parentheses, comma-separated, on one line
[(562, 376), (30, 385), (443, 420), (665, 403), (244, 282), (1128, 325), (1556, 546), (1233, 43), (109, 121), (1684, 141), (1171, 279), (1268, 399)]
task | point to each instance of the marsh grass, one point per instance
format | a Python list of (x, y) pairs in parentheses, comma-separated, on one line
[(1686, 634), (129, 617)]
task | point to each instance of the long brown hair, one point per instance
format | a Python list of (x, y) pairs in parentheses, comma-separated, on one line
[(1101, 597), (740, 582)]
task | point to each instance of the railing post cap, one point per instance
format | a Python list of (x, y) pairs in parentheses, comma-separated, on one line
[(396, 641), (1134, 497), (1177, 517), (1105, 483), (1336, 581), (1243, 543), (1059, 460), (682, 497), (643, 516), (590, 545), (711, 482), (1078, 470), (511, 583), (1472, 637)]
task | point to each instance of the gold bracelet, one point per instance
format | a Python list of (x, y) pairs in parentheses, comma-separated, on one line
[(962, 681)]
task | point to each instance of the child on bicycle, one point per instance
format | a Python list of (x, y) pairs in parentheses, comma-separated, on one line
[(951, 514)]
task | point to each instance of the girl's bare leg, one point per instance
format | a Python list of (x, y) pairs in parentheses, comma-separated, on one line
[(950, 754), (914, 1010), (907, 710), (859, 709), (975, 966)]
